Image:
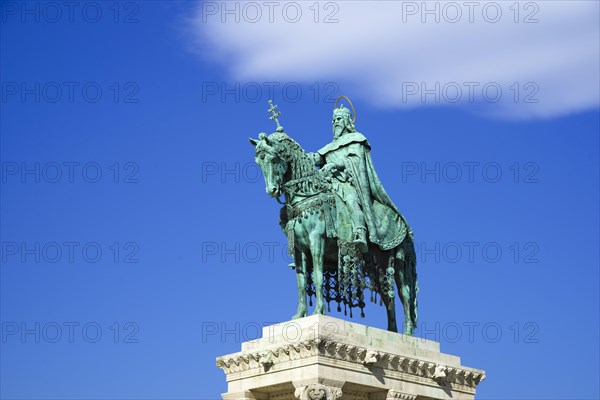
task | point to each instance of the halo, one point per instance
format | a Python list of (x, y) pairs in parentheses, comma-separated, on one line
[(351, 105)]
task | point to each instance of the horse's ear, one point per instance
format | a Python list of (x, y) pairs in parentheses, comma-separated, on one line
[(253, 141), (263, 136)]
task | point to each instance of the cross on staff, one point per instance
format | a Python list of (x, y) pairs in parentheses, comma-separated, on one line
[(275, 115)]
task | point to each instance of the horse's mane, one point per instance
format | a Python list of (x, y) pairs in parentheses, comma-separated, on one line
[(301, 163)]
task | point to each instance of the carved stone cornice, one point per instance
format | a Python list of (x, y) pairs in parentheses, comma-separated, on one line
[(259, 361)]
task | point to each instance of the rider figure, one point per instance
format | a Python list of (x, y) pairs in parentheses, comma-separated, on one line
[(347, 161), (337, 159)]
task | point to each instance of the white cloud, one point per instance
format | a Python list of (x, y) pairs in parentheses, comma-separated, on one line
[(383, 52)]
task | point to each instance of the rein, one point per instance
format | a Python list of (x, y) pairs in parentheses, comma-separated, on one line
[(300, 186), (293, 187)]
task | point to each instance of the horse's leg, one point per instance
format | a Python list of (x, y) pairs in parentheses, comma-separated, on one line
[(404, 293), (390, 303), (390, 308), (300, 261), (404, 290), (317, 248)]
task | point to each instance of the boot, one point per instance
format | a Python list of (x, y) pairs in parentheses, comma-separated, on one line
[(360, 239)]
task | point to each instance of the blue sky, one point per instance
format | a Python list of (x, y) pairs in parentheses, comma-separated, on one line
[(138, 243)]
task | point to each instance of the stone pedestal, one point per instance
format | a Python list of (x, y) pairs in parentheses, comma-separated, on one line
[(325, 358)]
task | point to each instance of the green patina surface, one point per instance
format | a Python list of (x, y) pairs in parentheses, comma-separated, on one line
[(345, 233)]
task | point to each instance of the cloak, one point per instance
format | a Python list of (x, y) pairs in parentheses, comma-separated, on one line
[(385, 224)]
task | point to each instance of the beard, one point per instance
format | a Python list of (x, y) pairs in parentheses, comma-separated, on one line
[(338, 130)]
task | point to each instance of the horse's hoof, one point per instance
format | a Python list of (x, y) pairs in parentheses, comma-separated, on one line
[(320, 311), (300, 315)]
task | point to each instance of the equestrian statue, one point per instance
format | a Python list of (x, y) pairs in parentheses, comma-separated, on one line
[(344, 232)]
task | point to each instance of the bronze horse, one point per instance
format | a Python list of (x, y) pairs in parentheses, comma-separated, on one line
[(326, 267)]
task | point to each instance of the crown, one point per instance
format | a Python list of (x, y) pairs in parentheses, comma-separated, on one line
[(341, 110)]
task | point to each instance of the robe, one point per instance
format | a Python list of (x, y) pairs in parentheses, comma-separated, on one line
[(385, 225)]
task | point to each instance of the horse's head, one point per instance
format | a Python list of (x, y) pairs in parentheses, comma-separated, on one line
[(269, 155)]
